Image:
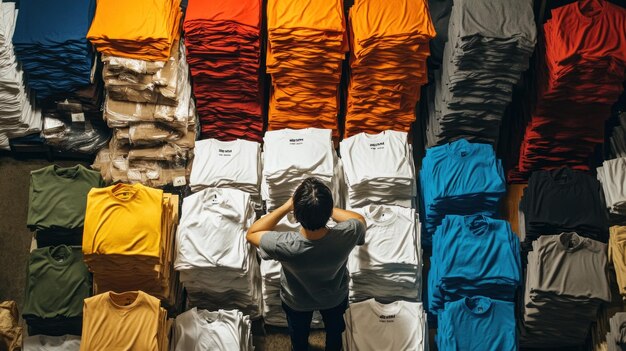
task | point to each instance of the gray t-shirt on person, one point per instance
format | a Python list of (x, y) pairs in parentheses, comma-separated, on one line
[(314, 273)]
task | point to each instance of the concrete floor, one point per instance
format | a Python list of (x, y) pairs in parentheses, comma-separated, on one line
[(15, 241)]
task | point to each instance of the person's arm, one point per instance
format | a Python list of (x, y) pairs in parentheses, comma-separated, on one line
[(267, 223), (340, 215)]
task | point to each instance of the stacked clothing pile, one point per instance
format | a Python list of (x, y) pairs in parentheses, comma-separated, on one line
[(223, 47), (459, 178), (125, 321), (610, 175), (489, 46), (217, 266), (142, 29), (128, 241), (562, 200), (378, 169), (388, 63), (148, 102), (388, 266), (57, 282), (617, 256), (19, 117), (57, 201), (477, 323), (617, 140), (290, 156), (616, 337), (51, 43), (566, 283), (305, 51), (373, 326), (473, 256), (227, 164), (273, 313), (218, 330), (581, 74)]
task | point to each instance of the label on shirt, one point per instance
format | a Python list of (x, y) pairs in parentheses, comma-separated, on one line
[(179, 181), (296, 141), (377, 146), (225, 152), (389, 318), (78, 117)]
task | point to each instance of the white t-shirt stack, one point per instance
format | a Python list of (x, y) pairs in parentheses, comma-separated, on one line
[(378, 169), (18, 117), (217, 266), (292, 155), (51, 343), (388, 266), (227, 164), (400, 325), (273, 313), (202, 330), (612, 176)]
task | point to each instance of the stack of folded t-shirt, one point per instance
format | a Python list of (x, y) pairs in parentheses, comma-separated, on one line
[(566, 283), (223, 46), (128, 241), (57, 282), (388, 266), (141, 29), (131, 320), (51, 45), (19, 116), (611, 175), (273, 313), (373, 326), (617, 256), (290, 156), (212, 330), (562, 200), (616, 337), (489, 46), (459, 178), (305, 51), (227, 164), (378, 169), (473, 256), (57, 202), (218, 267), (477, 323), (581, 74), (51, 343), (389, 40)]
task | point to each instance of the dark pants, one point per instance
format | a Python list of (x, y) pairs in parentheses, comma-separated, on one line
[(299, 324)]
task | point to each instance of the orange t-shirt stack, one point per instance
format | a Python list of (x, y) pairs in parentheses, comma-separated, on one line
[(139, 29), (223, 51), (128, 240), (389, 47), (306, 46)]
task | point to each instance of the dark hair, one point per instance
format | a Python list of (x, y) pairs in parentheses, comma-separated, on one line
[(312, 204)]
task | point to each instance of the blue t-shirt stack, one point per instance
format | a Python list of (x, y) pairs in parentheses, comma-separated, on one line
[(51, 44), (473, 255), (459, 178), (477, 323)]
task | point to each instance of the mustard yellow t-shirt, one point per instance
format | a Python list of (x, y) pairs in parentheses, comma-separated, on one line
[(123, 220), (128, 321)]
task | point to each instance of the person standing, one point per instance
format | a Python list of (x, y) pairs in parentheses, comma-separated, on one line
[(314, 273)]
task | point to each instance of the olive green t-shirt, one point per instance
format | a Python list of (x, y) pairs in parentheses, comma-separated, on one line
[(58, 196), (57, 283)]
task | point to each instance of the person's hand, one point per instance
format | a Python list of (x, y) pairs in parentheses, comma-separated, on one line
[(289, 204)]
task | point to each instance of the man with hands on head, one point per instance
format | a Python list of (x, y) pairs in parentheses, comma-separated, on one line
[(314, 275)]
